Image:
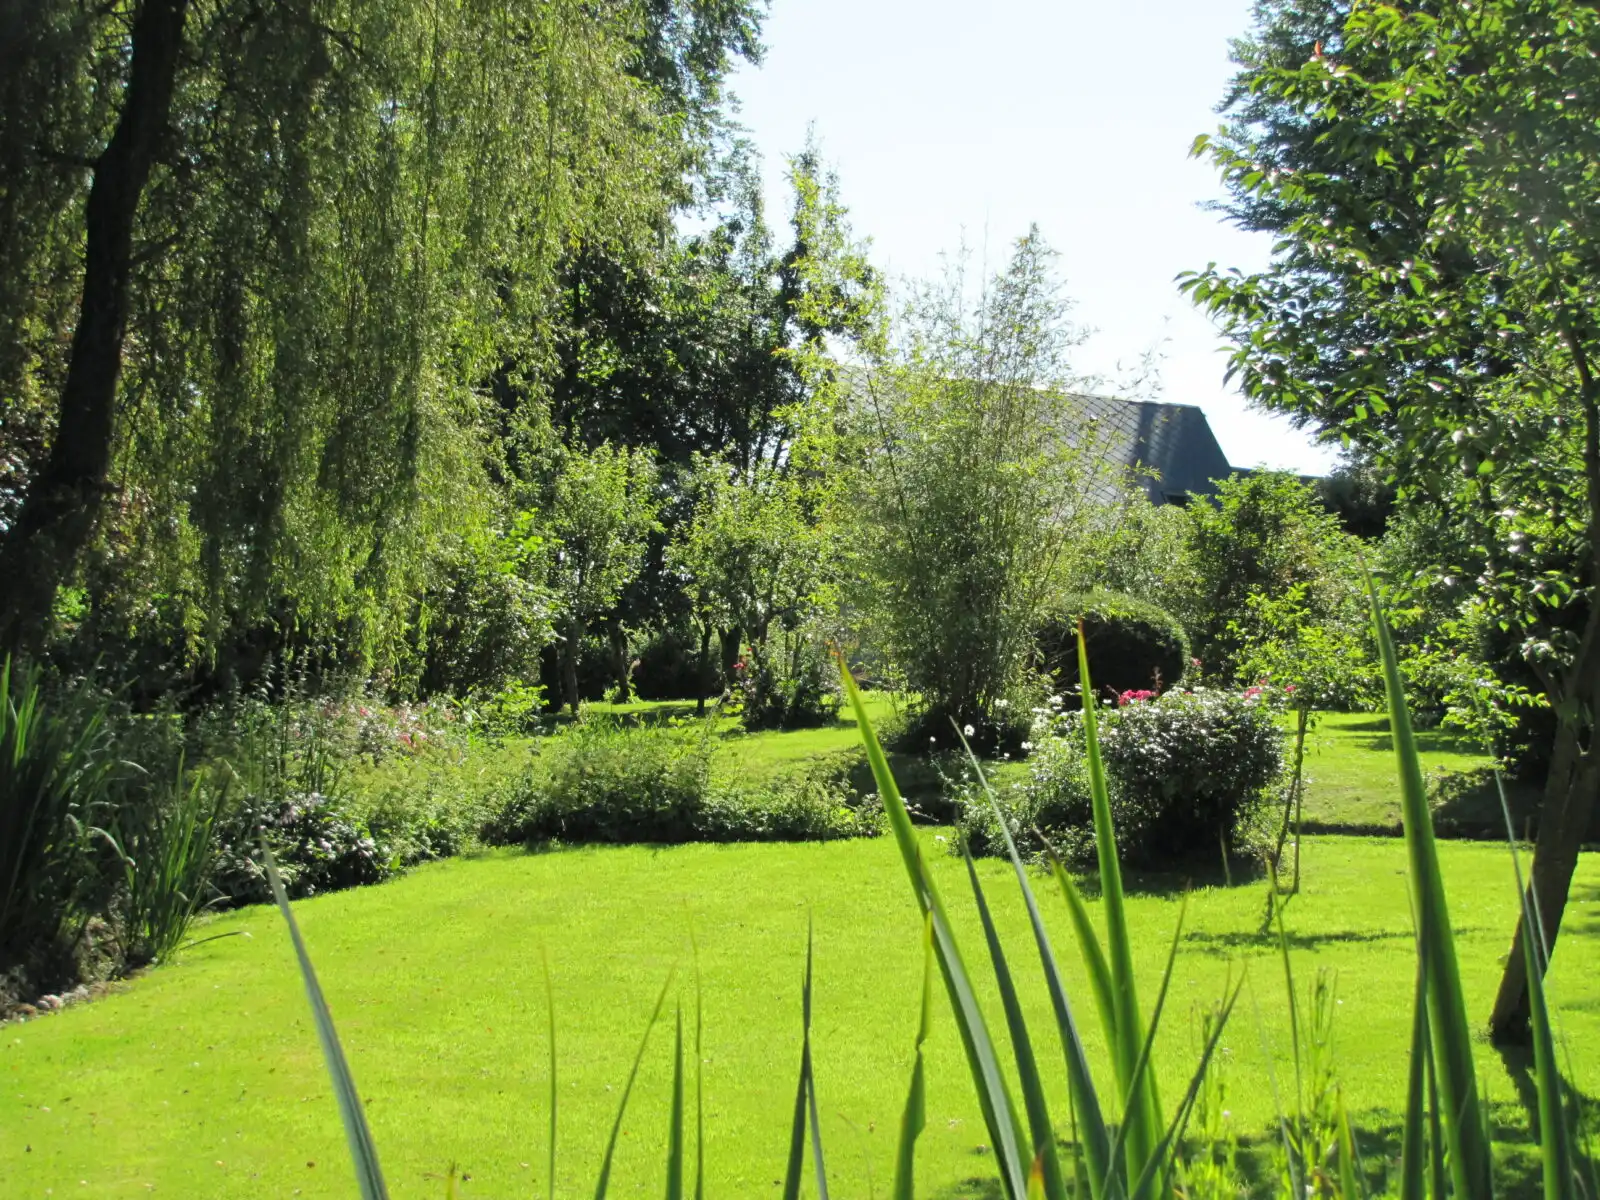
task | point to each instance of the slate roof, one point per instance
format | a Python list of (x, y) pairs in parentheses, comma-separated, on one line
[(1174, 440)]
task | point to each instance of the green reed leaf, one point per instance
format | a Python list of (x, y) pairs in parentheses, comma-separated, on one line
[(982, 1061), (633, 1074), (1463, 1115), (363, 1153), (914, 1117)]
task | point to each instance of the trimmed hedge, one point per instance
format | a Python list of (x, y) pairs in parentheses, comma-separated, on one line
[(1133, 645)]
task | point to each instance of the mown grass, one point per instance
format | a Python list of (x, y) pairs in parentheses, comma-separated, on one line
[(1350, 774), (204, 1077)]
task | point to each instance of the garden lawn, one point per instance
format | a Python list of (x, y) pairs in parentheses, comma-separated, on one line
[(203, 1078), (1350, 773)]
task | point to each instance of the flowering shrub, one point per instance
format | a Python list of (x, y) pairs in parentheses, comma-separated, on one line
[(787, 683), (320, 846), (1188, 773)]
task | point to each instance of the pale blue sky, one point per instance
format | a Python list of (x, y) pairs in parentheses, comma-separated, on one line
[(946, 118)]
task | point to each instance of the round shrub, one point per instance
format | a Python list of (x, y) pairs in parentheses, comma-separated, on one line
[(1133, 645), (1189, 774)]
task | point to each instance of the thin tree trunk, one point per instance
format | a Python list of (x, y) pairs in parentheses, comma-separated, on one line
[(703, 676), (1569, 797), (619, 662), (569, 664), (64, 498), (1563, 820)]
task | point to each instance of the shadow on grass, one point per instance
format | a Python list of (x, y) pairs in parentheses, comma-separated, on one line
[(1267, 940)]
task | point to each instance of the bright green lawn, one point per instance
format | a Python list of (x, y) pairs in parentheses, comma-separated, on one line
[(1350, 769), (203, 1079)]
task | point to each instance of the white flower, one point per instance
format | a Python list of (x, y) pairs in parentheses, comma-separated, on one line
[(1002, 704), (968, 730), (1027, 746), (933, 741)]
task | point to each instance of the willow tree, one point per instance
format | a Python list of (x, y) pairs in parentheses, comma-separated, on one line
[(256, 264)]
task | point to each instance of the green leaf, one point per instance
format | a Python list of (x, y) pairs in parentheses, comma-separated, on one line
[(363, 1154), (622, 1106), (914, 1117), (1140, 1110), (1466, 1141), (675, 1121), (982, 1061)]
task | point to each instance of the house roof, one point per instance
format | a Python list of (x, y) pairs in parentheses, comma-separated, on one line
[(1172, 440)]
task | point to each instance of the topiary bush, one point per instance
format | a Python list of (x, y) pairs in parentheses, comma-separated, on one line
[(1133, 645), (1189, 774)]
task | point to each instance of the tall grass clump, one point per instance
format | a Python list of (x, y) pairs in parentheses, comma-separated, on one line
[(55, 774)]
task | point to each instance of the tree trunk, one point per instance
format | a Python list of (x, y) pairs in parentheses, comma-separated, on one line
[(1563, 820), (732, 641), (569, 664), (64, 498), (619, 662), (703, 682)]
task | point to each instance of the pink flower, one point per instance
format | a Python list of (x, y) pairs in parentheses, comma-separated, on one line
[(1288, 687), (1134, 696)]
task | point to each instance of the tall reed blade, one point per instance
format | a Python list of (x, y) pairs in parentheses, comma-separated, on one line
[(1139, 1103), (1080, 1083), (1414, 1136), (622, 1105), (914, 1117), (675, 1122), (1463, 1115), (1046, 1163), (999, 1114), (699, 1083), (555, 1094), (363, 1154), (1555, 1141), (805, 1102), (1094, 958)]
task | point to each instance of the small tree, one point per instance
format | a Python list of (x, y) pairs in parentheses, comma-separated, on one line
[(602, 509), (1317, 663), (978, 467), (1265, 533), (748, 557)]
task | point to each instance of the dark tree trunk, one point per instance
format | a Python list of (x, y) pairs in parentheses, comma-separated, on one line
[(703, 682), (619, 662), (732, 641), (1563, 820), (64, 498), (569, 664), (1569, 795)]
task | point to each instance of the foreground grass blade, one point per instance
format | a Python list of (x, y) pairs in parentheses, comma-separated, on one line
[(1080, 1081), (994, 1101), (1046, 1164), (1463, 1115), (1555, 1143), (699, 1083), (550, 1010), (1140, 1110), (1094, 958), (675, 1122), (363, 1154), (1413, 1137), (1155, 1022), (622, 1106), (915, 1115), (805, 1103), (1154, 1169)]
